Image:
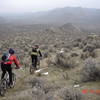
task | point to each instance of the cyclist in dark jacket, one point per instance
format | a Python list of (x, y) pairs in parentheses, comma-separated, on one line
[(34, 55)]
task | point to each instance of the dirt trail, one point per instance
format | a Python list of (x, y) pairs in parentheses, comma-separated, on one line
[(22, 76), (22, 87)]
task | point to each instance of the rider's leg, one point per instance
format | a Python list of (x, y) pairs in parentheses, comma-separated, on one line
[(35, 63), (32, 58), (3, 68), (9, 69)]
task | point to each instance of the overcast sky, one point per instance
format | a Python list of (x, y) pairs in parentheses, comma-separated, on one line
[(41, 5)]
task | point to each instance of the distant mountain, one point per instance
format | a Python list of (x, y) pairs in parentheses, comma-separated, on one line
[(84, 18), (61, 16), (68, 15)]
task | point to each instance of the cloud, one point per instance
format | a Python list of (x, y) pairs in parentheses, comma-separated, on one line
[(38, 5)]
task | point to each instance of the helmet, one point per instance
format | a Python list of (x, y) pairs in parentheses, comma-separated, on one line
[(35, 46), (11, 51)]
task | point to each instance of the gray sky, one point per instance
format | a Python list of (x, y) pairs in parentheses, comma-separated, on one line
[(40, 5)]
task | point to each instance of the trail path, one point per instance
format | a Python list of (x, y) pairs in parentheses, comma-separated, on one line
[(22, 88)]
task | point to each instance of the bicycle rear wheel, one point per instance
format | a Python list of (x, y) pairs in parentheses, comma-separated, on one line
[(3, 87), (32, 69), (2, 92)]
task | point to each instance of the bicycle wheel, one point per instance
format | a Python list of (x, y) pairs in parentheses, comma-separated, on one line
[(13, 79), (38, 61), (32, 69), (2, 91), (7, 80), (3, 87)]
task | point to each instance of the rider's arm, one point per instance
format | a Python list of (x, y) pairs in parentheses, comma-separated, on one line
[(40, 53), (16, 61)]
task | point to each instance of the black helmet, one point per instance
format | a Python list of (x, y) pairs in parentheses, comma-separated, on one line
[(11, 51)]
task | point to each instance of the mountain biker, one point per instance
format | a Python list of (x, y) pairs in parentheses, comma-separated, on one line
[(34, 55), (6, 64)]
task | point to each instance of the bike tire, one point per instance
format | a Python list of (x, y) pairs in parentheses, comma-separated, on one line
[(32, 69), (3, 87), (13, 79), (2, 92)]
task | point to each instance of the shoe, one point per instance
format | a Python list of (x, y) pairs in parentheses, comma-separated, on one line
[(17, 67), (8, 85), (35, 68), (11, 85)]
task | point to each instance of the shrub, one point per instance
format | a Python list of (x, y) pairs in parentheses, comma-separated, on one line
[(68, 94), (93, 54), (90, 71), (43, 89), (50, 96), (64, 61), (37, 94), (74, 54), (89, 48), (37, 82), (77, 42), (84, 55), (45, 54), (87, 54), (44, 85)]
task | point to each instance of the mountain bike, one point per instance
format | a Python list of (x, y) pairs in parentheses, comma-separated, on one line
[(32, 68), (4, 84)]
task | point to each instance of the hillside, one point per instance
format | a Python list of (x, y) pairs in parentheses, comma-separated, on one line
[(70, 58), (69, 39)]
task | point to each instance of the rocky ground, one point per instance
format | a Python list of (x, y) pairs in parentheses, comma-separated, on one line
[(71, 63)]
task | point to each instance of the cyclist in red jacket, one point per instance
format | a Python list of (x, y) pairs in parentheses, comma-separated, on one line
[(6, 64)]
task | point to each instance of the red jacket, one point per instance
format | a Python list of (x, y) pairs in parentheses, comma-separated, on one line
[(11, 59)]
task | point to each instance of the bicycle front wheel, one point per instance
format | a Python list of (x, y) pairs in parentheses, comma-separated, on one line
[(13, 79)]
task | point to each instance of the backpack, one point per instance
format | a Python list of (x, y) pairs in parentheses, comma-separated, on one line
[(34, 50), (5, 56)]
